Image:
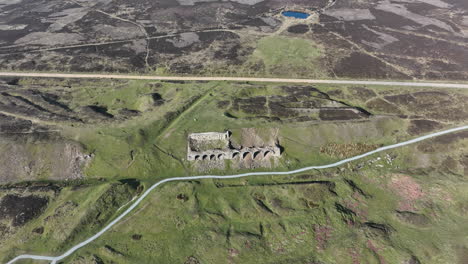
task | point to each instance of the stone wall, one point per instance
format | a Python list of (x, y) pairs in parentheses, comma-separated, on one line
[(210, 136), (254, 153), (243, 153)]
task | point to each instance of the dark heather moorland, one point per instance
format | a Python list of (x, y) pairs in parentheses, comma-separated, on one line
[(349, 39), (75, 153)]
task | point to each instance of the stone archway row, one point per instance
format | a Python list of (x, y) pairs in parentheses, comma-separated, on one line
[(242, 154)]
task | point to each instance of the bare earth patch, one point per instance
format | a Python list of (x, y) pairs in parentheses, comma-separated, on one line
[(408, 190)]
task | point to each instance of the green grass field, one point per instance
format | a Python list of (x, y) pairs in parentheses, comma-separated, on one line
[(407, 204)]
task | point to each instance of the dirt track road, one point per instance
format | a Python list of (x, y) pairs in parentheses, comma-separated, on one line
[(232, 79)]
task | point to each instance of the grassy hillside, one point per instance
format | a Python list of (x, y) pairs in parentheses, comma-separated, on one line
[(404, 206)]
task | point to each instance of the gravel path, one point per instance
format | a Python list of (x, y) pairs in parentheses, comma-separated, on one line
[(233, 79)]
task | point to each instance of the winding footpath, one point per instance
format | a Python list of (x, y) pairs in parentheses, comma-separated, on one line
[(232, 79), (54, 260)]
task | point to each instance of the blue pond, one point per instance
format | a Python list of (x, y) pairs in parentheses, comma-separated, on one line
[(295, 14)]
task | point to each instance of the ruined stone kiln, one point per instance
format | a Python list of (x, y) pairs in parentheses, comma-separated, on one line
[(212, 146)]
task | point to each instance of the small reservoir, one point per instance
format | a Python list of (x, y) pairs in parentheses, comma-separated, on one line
[(295, 14)]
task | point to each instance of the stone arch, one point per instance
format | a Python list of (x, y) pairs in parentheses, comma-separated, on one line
[(245, 155), (197, 157), (266, 154), (205, 157), (212, 157), (257, 154), (235, 155), (220, 156)]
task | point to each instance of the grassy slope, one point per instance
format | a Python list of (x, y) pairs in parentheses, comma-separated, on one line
[(215, 223), (72, 215), (226, 224), (288, 56)]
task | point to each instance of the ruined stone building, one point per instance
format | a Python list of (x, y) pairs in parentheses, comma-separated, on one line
[(217, 146)]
